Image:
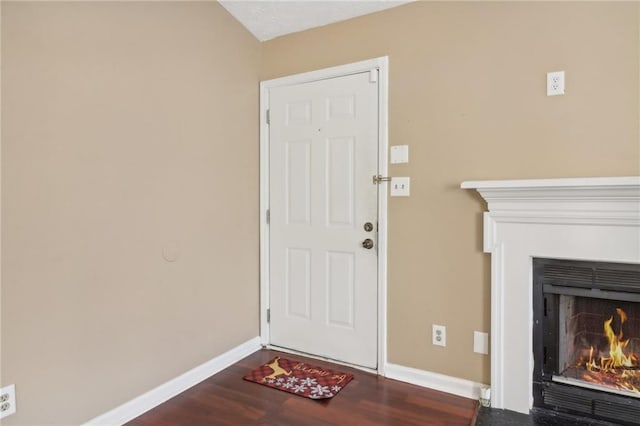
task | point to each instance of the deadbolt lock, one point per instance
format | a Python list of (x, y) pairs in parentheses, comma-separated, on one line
[(368, 226), (368, 243)]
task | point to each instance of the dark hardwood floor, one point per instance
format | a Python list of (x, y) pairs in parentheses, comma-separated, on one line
[(227, 399)]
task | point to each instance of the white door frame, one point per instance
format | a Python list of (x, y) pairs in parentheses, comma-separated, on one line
[(382, 65)]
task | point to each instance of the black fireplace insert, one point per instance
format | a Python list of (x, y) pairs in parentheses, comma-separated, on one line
[(586, 338)]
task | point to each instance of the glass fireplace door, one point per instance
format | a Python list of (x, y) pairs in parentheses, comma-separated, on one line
[(599, 344)]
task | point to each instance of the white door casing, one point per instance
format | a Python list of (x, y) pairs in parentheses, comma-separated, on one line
[(326, 293)]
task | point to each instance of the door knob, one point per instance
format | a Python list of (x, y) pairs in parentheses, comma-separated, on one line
[(368, 243)]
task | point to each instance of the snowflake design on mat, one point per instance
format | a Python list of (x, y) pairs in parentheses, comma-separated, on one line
[(336, 388), (271, 381), (299, 388), (292, 380), (280, 380), (326, 395), (287, 385), (309, 381), (320, 390)]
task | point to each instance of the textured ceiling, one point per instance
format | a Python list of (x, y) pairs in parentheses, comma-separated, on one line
[(269, 19)]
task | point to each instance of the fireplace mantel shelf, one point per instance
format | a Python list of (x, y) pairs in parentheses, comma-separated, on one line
[(572, 189), (591, 182)]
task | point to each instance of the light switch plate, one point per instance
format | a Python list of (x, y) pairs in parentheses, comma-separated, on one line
[(400, 186), (399, 154)]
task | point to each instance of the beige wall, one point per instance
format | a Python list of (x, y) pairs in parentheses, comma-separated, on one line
[(129, 128), (467, 94)]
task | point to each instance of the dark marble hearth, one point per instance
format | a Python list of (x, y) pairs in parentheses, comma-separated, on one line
[(495, 417)]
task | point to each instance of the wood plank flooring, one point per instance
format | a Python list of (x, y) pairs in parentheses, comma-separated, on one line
[(227, 399)]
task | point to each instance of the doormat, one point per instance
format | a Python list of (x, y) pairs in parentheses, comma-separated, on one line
[(299, 378)]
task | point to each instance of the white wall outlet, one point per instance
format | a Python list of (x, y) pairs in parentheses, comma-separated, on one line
[(480, 342), (555, 83), (7, 401), (439, 335), (400, 186), (399, 154)]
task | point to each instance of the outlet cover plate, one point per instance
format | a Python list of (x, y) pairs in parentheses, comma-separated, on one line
[(555, 83), (7, 401), (439, 335)]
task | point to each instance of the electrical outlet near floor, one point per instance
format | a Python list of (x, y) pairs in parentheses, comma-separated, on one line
[(7, 401), (439, 335)]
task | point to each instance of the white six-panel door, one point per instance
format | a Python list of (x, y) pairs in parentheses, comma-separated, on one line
[(323, 154)]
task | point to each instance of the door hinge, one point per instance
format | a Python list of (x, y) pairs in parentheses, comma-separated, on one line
[(268, 116), (377, 179), (268, 216), (268, 314), (373, 76)]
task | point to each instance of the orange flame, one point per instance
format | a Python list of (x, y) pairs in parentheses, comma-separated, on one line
[(619, 369)]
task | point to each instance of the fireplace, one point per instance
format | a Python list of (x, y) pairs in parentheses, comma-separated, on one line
[(578, 219), (586, 338)]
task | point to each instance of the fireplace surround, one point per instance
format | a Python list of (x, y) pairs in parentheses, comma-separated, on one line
[(580, 219)]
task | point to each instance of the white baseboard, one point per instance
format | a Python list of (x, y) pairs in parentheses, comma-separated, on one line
[(440, 382), (137, 406)]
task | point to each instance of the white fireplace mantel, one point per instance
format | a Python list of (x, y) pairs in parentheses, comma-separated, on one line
[(578, 218)]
